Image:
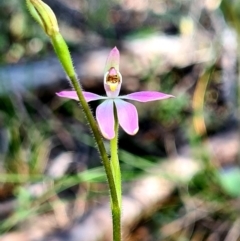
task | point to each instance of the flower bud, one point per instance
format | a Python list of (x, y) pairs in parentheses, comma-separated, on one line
[(44, 15)]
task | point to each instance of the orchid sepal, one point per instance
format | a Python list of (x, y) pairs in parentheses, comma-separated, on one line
[(146, 96), (127, 116), (113, 60), (87, 95), (105, 119)]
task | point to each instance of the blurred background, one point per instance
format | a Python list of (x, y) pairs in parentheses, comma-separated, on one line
[(180, 172)]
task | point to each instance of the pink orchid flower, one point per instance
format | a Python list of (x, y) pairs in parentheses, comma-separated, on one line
[(126, 112)]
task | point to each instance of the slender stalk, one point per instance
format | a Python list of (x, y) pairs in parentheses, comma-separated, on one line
[(116, 211), (114, 160), (116, 207)]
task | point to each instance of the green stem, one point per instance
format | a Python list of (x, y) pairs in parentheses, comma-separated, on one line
[(114, 160), (116, 207)]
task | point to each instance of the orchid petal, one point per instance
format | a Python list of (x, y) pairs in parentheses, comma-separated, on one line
[(113, 60), (127, 116), (105, 119), (73, 95), (145, 96)]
